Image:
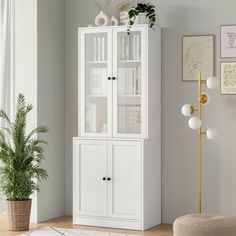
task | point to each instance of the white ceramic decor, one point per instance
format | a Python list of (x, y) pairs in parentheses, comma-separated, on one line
[(114, 21), (124, 18), (102, 19), (141, 19)]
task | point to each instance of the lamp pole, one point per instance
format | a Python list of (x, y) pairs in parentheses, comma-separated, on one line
[(199, 144), (195, 123)]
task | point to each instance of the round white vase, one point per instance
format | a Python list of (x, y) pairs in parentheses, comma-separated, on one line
[(102, 19), (114, 21)]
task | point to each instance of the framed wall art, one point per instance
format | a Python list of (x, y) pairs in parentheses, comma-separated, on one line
[(228, 41), (228, 77), (198, 56)]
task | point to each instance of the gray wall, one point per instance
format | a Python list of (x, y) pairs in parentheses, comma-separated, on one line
[(39, 75), (51, 105), (179, 143)]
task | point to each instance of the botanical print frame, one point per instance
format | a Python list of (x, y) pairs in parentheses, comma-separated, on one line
[(228, 41), (228, 77), (198, 55)]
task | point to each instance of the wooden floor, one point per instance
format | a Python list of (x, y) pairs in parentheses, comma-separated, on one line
[(66, 222)]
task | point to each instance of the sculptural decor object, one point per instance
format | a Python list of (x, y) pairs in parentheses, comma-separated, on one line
[(102, 19), (123, 9), (114, 21)]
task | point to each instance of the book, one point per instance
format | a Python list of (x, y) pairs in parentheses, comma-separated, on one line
[(91, 118), (134, 46), (103, 49), (93, 84), (138, 71), (99, 49), (137, 47), (126, 48), (122, 47), (103, 81), (95, 49)]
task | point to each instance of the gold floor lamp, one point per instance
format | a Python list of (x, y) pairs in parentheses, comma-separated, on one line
[(195, 123)]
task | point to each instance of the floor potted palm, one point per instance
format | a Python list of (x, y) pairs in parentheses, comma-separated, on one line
[(21, 155)]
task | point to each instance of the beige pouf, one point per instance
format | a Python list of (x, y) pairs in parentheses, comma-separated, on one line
[(205, 225)]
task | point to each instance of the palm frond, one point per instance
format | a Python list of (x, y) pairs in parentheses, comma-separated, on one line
[(5, 117), (40, 129), (20, 154)]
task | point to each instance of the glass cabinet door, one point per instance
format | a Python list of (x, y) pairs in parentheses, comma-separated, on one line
[(96, 82), (128, 84)]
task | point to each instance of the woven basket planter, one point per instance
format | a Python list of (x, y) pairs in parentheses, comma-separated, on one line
[(18, 215)]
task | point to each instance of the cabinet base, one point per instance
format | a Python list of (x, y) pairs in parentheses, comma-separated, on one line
[(108, 222)]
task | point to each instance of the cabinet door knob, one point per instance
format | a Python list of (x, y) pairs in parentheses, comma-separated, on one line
[(113, 78), (104, 178), (109, 78), (109, 179)]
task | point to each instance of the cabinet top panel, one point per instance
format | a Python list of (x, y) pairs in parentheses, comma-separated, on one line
[(113, 27)]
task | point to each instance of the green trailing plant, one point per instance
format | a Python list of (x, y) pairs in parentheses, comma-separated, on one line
[(148, 9), (21, 154)]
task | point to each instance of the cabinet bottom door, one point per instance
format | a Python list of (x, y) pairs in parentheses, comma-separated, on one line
[(125, 186), (90, 167)]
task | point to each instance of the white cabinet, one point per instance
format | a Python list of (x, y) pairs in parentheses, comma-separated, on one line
[(108, 178), (90, 168), (125, 187), (117, 183), (117, 154)]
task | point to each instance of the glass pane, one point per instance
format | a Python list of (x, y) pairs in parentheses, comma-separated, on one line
[(129, 83), (96, 83)]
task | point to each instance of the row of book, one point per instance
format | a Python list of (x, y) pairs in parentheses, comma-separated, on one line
[(129, 47), (99, 49), (129, 81), (97, 81), (91, 117), (129, 119)]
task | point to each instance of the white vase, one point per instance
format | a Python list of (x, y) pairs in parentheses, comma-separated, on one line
[(141, 19), (102, 19), (114, 21), (124, 17)]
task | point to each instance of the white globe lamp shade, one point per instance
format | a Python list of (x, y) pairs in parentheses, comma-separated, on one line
[(212, 82), (194, 123), (187, 110), (212, 133)]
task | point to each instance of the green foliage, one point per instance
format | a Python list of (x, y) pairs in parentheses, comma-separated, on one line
[(20, 154), (143, 8)]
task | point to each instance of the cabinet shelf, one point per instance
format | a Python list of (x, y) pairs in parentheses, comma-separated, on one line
[(129, 62), (130, 96), (96, 96), (96, 62)]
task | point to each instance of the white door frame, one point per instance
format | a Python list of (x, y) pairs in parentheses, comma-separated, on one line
[(144, 81), (81, 74)]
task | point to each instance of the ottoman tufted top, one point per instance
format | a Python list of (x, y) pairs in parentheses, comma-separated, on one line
[(205, 225)]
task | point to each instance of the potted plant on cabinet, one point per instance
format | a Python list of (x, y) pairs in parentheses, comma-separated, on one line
[(142, 14), (21, 155)]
